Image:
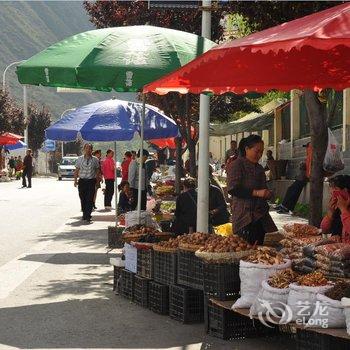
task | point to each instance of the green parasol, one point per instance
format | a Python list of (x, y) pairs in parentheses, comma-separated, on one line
[(121, 58)]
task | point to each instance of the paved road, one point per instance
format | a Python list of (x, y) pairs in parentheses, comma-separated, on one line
[(56, 282), (28, 214)]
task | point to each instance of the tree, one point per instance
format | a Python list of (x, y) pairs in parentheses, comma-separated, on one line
[(184, 110), (11, 116), (39, 120)]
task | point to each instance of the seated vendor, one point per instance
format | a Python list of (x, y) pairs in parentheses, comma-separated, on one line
[(218, 213), (124, 204), (186, 209), (337, 220)]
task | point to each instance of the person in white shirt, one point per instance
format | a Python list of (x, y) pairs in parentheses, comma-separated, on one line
[(88, 171)]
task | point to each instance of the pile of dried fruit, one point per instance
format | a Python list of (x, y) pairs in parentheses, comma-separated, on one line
[(221, 244), (283, 279), (266, 256), (165, 190), (196, 239), (314, 279), (140, 230), (171, 244), (340, 290), (301, 230)]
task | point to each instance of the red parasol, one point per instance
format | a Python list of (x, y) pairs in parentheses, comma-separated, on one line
[(312, 52), (9, 138), (170, 142)]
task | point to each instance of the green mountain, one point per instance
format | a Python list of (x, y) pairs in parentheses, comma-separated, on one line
[(28, 27)]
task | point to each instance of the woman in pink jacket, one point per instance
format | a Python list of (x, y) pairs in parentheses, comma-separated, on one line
[(108, 170), (337, 219)]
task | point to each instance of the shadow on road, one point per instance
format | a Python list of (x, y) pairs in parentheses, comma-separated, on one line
[(79, 238), (108, 323), (71, 258)]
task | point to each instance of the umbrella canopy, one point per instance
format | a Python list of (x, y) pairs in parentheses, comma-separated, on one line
[(9, 138), (121, 58), (312, 52), (112, 120), (20, 144)]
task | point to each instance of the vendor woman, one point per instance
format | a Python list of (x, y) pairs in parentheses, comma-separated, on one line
[(247, 185)]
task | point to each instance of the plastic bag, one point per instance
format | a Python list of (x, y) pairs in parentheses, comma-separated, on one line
[(131, 219), (224, 230), (301, 302), (328, 313), (269, 297), (333, 159), (345, 302), (252, 276), (341, 254)]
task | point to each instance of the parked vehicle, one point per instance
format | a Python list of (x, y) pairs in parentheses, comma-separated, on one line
[(67, 167)]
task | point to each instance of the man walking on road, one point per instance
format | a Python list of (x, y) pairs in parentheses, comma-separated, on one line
[(27, 169), (88, 172)]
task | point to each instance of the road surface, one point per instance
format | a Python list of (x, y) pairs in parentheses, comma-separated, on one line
[(56, 282)]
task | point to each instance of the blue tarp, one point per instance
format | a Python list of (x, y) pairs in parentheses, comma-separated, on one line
[(112, 120)]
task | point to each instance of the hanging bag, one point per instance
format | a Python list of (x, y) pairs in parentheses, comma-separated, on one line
[(333, 160)]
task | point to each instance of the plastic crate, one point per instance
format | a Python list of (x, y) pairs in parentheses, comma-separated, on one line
[(339, 343), (226, 324), (186, 304), (189, 270), (222, 280), (115, 237), (307, 340), (145, 263), (141, 286), (127, 284), (116, 277), (158, 298), (165, 267)]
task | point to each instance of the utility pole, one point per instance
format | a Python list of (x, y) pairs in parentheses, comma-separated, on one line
[(204, 117)]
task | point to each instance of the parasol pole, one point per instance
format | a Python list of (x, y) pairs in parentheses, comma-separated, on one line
[(141, 158), (116, 185), (203, 159)]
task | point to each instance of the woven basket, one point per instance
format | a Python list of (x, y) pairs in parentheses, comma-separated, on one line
[(159, 248), (189, 247), (223, 257)]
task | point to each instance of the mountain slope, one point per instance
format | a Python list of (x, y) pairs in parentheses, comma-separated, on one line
[(29, 27)]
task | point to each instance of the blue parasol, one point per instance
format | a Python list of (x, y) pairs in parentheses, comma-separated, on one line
[(112, 120)]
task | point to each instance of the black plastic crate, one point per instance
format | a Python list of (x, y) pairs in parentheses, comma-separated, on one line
[(222, 280), (145, 263), (307, 340), (116, 277), (189, 270), (141, 286), (158, 298), (339, 343), (186, 304), (165, 267), (226, 324), (115, 237), (127, 284)]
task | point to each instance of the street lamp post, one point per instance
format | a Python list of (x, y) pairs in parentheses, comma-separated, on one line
[(25, 100), (62, 115)]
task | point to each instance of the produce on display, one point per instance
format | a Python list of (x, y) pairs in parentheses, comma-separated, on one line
[(314, 279), (282, 279), (149, 238), (266, 256), (340, 290), (253, 274), (220, 244), (301, 230), (168, 246), (194, 241)]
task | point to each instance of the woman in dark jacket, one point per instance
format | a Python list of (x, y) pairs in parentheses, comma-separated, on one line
[(247, 184), (186, 209)]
